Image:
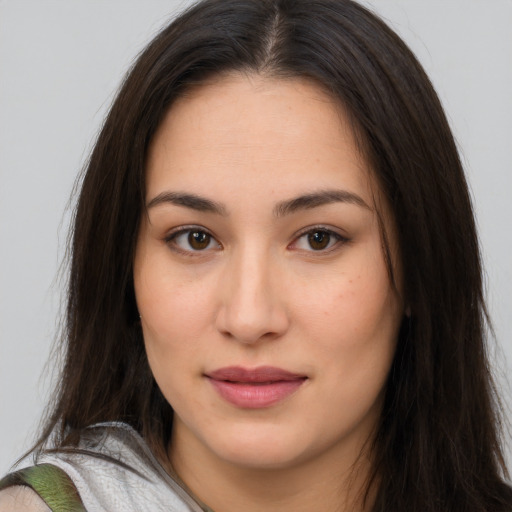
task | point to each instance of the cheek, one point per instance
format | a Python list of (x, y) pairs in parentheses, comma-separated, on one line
[(172, 303), (173, 317), (356, 305), (354, 326), (170, 325)]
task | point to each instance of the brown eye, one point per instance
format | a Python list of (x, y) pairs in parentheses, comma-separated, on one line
[(199, 240), (318, 240), (192, 240)]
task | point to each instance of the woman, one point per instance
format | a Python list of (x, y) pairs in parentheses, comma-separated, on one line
[(275, 299)]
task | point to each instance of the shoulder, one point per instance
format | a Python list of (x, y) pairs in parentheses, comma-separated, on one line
[(39, 488), (21, 499)]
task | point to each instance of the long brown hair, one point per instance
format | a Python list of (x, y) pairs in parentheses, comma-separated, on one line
[(438, 444)]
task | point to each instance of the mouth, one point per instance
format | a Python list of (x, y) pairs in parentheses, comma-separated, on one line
[(254, 388)]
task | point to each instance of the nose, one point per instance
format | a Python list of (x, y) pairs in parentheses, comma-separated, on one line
[(252, 304)]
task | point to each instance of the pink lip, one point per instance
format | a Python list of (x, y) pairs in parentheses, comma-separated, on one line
[(254, 388)]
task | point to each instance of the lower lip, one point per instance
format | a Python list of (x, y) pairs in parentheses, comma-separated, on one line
[(256, 396)]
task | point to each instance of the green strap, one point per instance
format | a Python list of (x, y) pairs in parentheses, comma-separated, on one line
[(52, 484)]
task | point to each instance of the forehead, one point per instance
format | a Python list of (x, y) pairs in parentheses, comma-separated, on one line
[(249, 131)]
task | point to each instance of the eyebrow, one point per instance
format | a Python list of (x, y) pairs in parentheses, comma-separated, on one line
[(283, 208), (320, 198), (191, 201)]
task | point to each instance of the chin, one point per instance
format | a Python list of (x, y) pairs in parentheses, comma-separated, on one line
[(260, 448), (264, 458)]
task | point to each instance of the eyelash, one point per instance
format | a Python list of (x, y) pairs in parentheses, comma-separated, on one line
[(184, 230), (338, 239), (170, 239)]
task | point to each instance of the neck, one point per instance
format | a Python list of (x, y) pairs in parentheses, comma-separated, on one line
[(335, 482)]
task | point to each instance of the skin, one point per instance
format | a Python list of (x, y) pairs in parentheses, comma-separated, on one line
[(260, 294)]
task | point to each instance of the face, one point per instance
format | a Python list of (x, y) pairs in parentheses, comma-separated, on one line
[(268, 314)]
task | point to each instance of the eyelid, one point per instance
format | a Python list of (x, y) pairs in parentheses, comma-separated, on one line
[(341, 239), (180, 230)]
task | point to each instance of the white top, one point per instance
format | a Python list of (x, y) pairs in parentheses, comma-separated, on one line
[(113, 470)]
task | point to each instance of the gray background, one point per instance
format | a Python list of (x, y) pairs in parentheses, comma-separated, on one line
[(60, 63)]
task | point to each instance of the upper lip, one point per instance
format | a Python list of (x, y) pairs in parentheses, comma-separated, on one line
[(259, 374)]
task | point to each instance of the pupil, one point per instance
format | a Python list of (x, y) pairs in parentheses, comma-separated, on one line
[(198, 239), (318, 240)]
